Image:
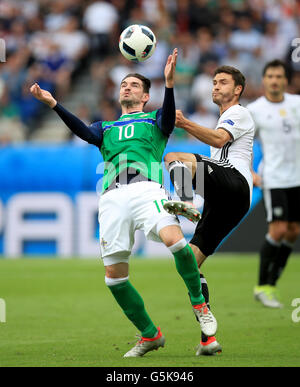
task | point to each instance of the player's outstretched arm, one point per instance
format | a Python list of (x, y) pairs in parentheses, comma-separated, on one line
[(216, 138), (93, 134), (166, 115), (43, 95)]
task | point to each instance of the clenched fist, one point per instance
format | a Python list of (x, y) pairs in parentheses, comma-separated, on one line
[(180, 119)]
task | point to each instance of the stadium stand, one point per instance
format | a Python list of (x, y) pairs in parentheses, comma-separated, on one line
[(64, 47)]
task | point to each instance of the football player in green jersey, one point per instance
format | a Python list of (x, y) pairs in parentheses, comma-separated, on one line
[(133, 197)]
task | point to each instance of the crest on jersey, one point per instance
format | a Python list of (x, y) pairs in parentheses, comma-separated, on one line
[(282, 112)]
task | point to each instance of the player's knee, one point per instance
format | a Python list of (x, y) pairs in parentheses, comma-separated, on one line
[(170, 235), (278, 231), (170, 157), (115, 270), (293, 231)]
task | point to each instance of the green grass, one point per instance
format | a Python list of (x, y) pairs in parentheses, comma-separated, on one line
[(60, 313)]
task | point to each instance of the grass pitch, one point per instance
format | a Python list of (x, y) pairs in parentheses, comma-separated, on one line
[(60, 313)]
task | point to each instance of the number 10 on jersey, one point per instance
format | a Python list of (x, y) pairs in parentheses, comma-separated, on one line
[(126, 132), (160, 205)]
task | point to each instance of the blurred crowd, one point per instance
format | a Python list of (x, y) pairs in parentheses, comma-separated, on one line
[(52, 42)]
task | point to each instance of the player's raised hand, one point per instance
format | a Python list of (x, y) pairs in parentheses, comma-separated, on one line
[(43, 95), (170, 69), (180, 119)]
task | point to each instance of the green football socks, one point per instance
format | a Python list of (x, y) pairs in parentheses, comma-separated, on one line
[(187, 267), (132, 305)]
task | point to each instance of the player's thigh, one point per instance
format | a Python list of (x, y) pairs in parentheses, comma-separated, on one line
[(211, 178), (116, 225), (147, 209)]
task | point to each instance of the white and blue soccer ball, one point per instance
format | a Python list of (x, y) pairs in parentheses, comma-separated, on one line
[(137, 43)]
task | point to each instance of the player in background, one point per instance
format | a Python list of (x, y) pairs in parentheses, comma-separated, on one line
[(224, 180), (277, 120), (133, 197)]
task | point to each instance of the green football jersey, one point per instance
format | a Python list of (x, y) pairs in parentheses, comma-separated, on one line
[(134, 140)]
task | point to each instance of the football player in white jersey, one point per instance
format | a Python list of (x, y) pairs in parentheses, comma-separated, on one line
[(277, 119), (224, 180)]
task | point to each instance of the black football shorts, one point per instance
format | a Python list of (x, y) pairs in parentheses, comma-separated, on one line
[(226, 196), (282, 204)]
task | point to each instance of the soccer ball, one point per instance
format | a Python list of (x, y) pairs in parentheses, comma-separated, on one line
[(137, 43)]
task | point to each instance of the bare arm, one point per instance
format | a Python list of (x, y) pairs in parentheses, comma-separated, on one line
[(216, 138), (257, 180)]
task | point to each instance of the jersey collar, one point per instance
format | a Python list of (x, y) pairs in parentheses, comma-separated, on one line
[(128, 114)]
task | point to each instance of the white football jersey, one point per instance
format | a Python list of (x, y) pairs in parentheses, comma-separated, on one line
[(278, 128), (238, 152)]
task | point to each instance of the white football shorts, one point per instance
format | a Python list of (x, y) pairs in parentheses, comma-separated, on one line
[(122, 211)]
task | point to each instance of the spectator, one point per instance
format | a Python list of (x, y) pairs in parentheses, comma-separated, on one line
[(186, 68), (207, 47), (57, 18), (201, 15), (17, 38), (73, 42), (247, 42), (273, 44), (14, 73), (30, 109), (204, 117), (201, 87), (49, 34), (58, 70), (123, 8), (246, 39), (101, 21), (11, 130), (227, 19), (8, 109), (181, 17)]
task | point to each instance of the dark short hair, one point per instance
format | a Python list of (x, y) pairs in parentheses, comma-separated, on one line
[(146, 81), (238, 77), (276, 63)]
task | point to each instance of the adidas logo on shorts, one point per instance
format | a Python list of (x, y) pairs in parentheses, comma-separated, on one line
[(210, 170)]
